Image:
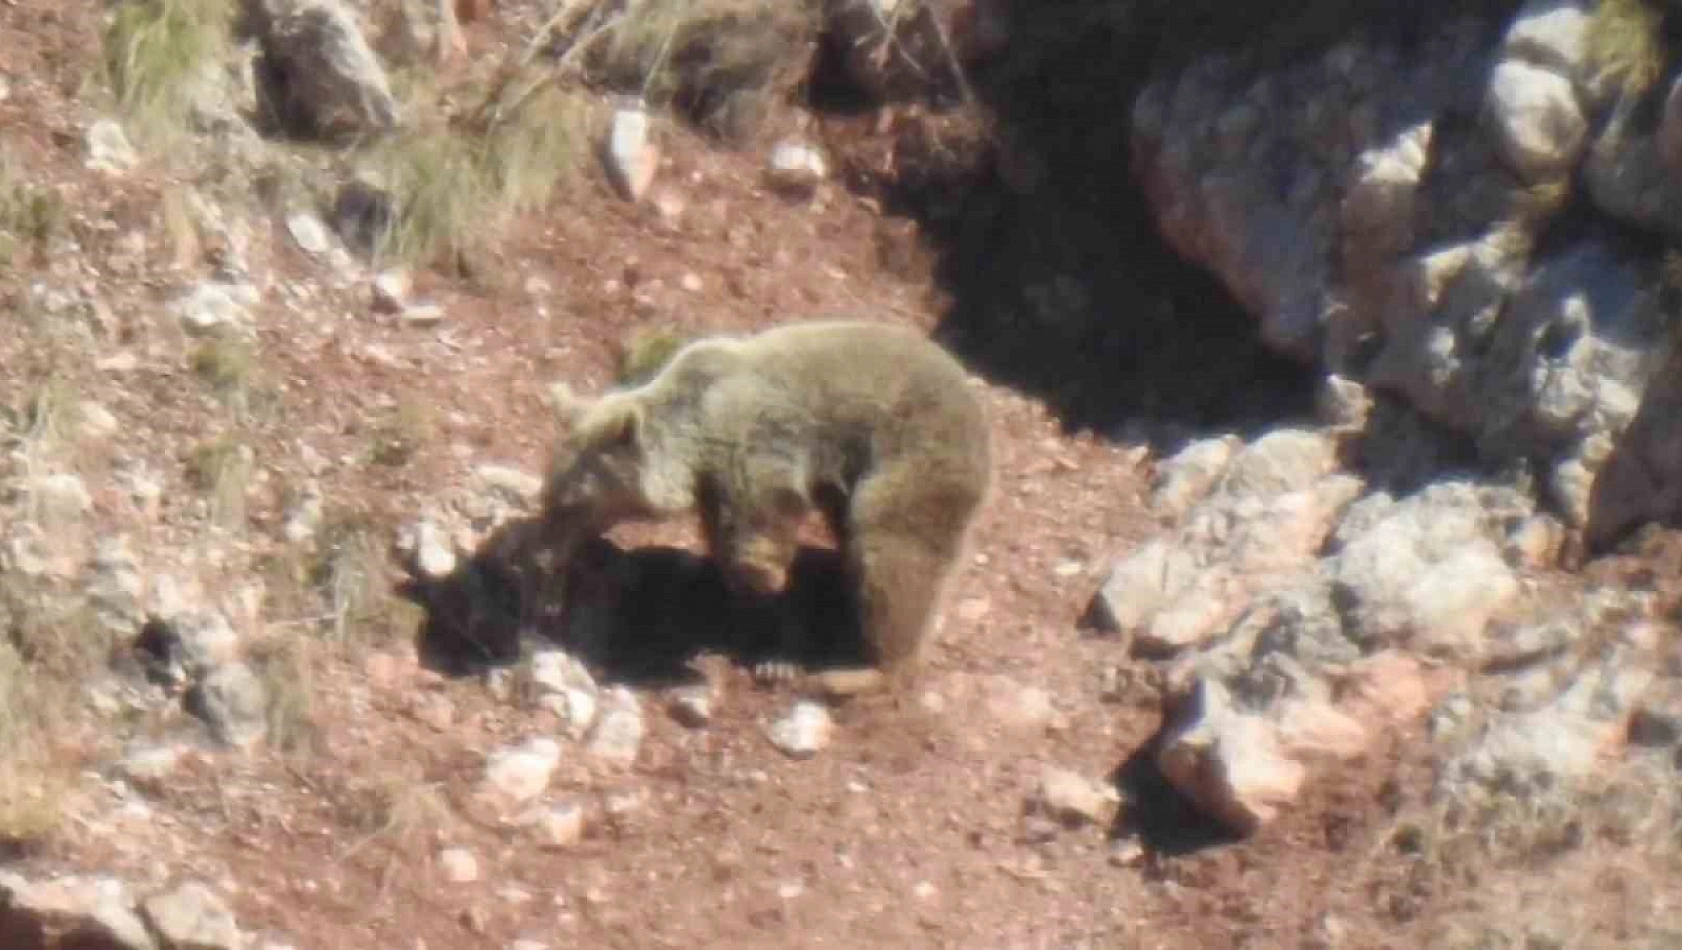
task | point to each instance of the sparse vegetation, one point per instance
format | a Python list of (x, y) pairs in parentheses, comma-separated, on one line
[(349, 576), (226, 363), (645, 352), (721, 62), (222, 467), (395, 803), (155, 53), (61, 637), (181, 230), (32, 807), (42, 425), (1625, 44), (231, 365), (48, 645), (45, 431), (30, 215), (439, 194), (207, 460), (287, 670), (1625, 827), (540, 145), (455, 186), (399, 431)]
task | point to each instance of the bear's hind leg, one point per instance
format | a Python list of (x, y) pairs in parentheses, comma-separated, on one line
[(899, 581), (903, 545)]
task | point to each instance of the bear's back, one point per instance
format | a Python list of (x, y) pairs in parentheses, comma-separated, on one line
[(871, 389)]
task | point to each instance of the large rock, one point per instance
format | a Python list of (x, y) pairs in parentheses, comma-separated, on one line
[(1281, 461), (1270, 509), (1284, 693), (317, 73), (1642, 476), (91, 913), (191, 916), (1184, 478), (233, 702), (1426, 571), (619, 730), (1378, 209), (1229, 762), (522, 772), (1298, 616), (1551, 33), (183, 645), (1669, 137), (1536, 115), (1245, 756), (1554, 746), (630, 153), (1345, 200), (1322, 660)]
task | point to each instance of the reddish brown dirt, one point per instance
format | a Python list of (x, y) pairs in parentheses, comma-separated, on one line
[(908, 831)]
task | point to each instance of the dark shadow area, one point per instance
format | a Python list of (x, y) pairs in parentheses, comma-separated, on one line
[(828, 90), (1639, 480), (1059, 282), (32, 929), (1163, 820), (14, 849), (637, 616), (289, 106)]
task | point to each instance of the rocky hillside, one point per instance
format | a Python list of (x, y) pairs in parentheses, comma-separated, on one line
[(1326, 598)]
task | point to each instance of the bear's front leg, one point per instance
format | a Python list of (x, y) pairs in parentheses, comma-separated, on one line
[(756, 573), (754, 551)]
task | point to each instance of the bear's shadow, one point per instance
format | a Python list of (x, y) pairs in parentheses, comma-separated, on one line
[(632, 615)]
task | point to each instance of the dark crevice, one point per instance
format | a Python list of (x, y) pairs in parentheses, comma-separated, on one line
[(1058, 281)]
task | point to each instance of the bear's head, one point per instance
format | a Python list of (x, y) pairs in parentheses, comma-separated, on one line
[(595, 474)]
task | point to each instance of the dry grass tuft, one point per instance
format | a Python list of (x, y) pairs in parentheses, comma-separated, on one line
[(720, 62), (30, 216), (222, 468), (52, 645), (226, 363), (156, 51), (181, 228), (536, 147), (438, 193), (394, 803), (350, 577), (398, 432), (454, 186), (43, 424), (645, 352), (288, 671), (1625, 44)]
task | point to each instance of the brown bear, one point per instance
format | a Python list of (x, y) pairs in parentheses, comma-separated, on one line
[(873, 426)]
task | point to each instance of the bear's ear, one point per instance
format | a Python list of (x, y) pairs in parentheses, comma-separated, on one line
[(569, 406)]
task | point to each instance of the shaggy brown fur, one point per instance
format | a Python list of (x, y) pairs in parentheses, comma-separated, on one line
[(871, 425)]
